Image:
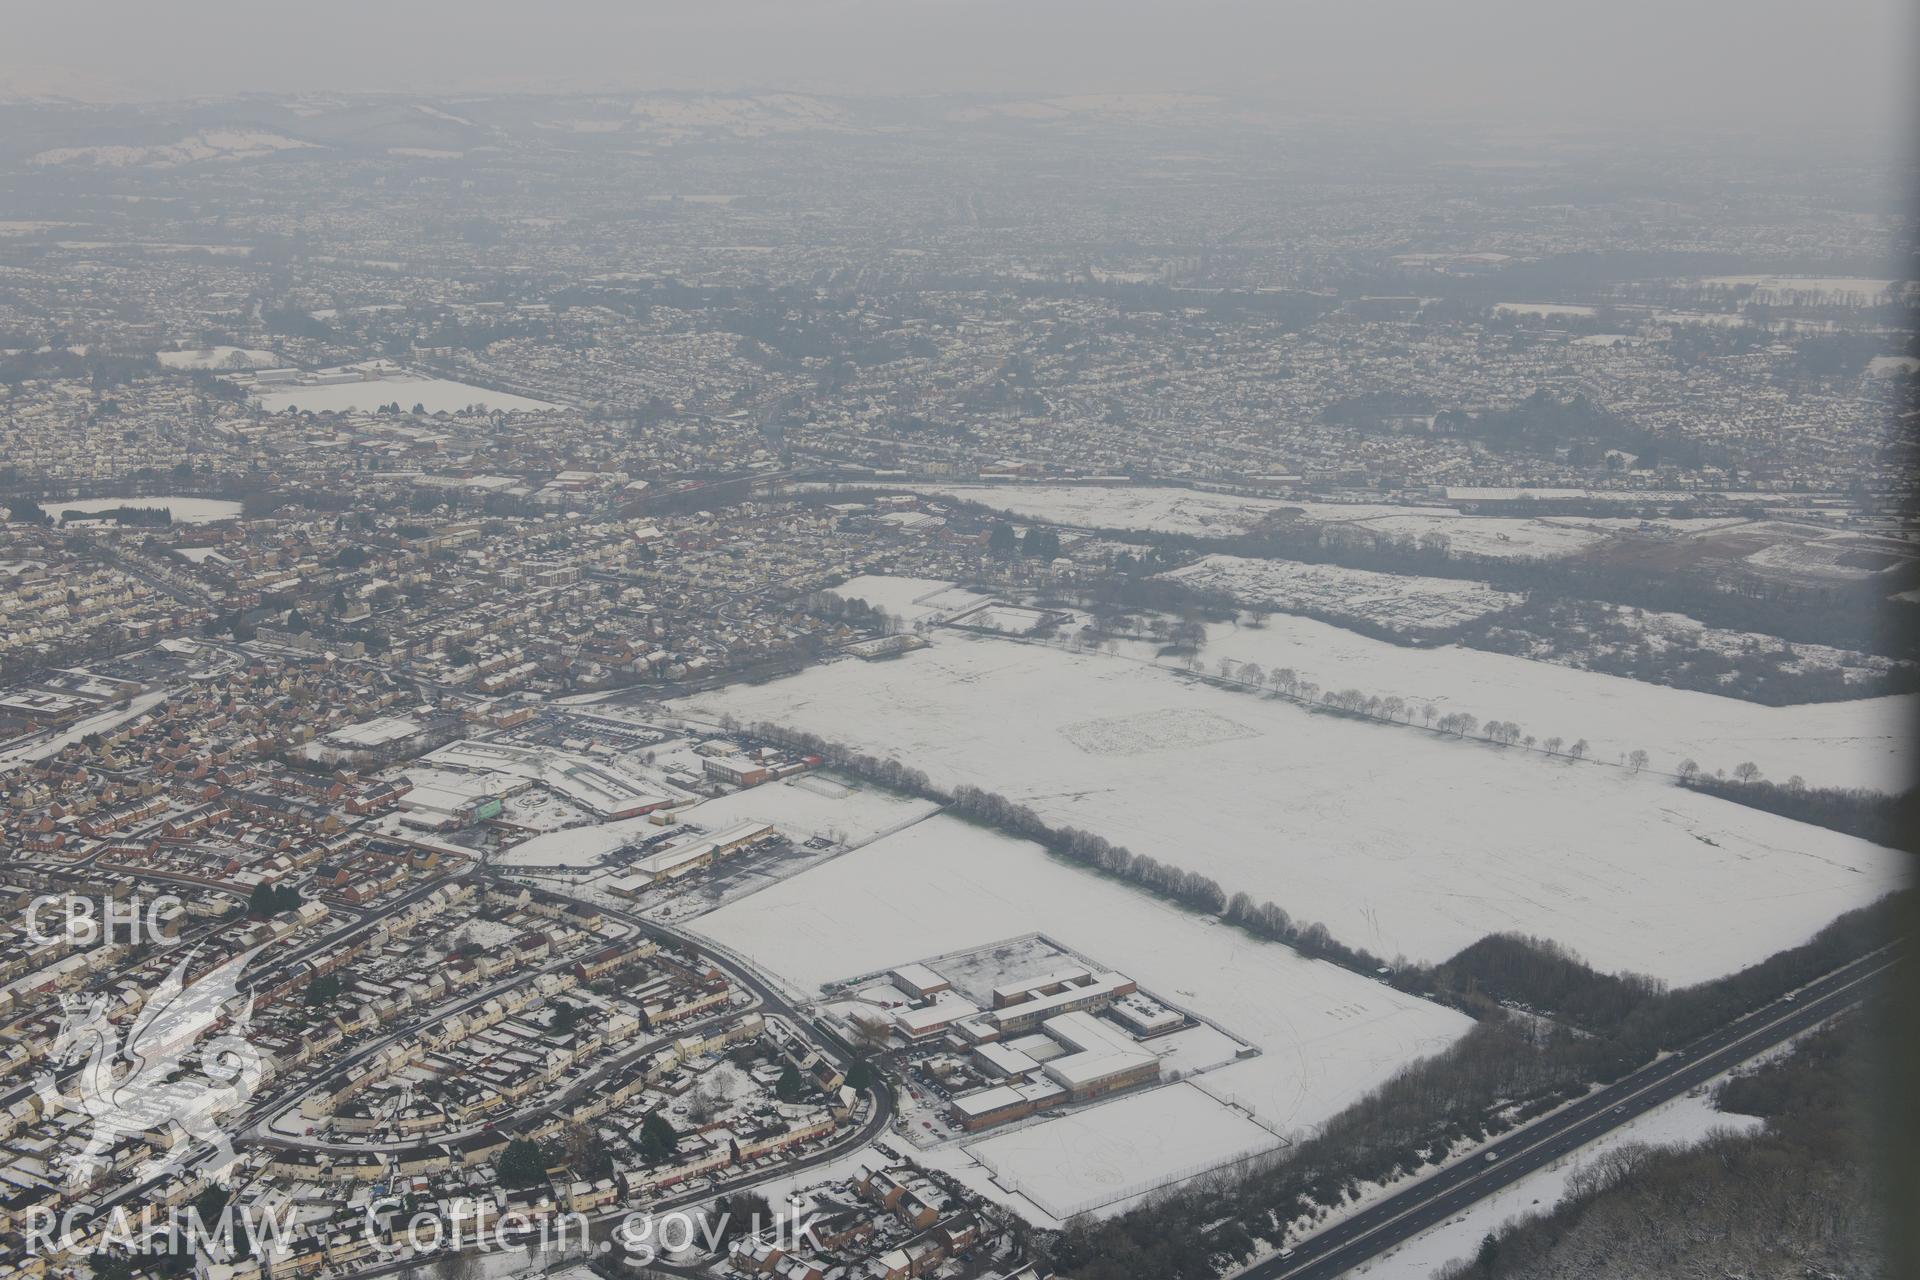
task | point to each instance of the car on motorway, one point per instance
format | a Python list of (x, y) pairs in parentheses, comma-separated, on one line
[(1492, 1156)]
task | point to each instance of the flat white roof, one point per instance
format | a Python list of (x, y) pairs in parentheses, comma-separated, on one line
[(1019, 986), (1006, 1059), (1001, 1096), (918, 978), (1101, 984), (376, 732), (946, 1007), (1102, 1050)]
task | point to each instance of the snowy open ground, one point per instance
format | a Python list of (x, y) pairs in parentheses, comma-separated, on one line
[(1863, 743), (1089, 1158), (1400, 602), (184, 510), (1329, 1036), (1169, 510), (1395, 838), (1501, 537), (436, 394), (911, 598), (1148, 507)]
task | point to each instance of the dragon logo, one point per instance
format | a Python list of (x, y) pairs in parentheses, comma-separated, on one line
[(148, 1085)]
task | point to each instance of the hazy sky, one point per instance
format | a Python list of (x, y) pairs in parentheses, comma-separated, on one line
[(1758, 64)]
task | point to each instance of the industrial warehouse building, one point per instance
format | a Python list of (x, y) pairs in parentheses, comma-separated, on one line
[(685, 856)]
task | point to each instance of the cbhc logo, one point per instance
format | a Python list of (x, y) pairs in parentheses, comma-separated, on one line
[(83, 921)]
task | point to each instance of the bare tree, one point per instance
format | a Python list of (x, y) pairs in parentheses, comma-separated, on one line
[(1578, 750), (1746, 771), (1637, 760), (454, 1266)]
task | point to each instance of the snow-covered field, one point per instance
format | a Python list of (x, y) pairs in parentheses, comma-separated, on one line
[(1829, 557), (436, 394), (1503, 537), (184, 510), (1398, 601), (1328, 1035), (911, 599), (1012, 620), (1085, 1160), (1170, 510), (1684, 1122), (1395, 838), (1153, 508), (1864, 743)]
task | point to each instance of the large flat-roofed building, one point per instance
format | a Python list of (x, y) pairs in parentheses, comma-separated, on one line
[(1019, 990), (1005, 1102), (599, 788), (1104, 1058), (1006, 1061), (684, 856), (738, 770), (934, 1019), (1090, 991), (918, 981), (1145, 1016)]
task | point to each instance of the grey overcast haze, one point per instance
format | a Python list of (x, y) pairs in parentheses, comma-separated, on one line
[(1740, 64), (959, 639)]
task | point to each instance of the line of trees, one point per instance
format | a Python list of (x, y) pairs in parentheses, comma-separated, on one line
[(1189, 888), (268, 900), (1889, 820), (1537, 974), (1202, 893), (1286, 682)]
